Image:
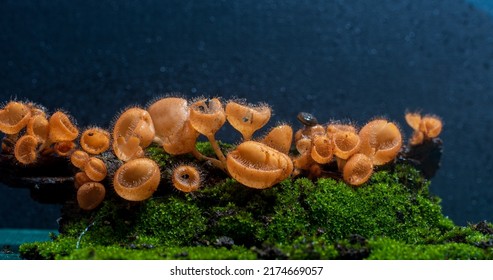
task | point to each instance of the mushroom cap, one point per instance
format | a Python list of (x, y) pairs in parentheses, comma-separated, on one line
[(357, 170), (135, 122), (381, 140), (62, 128), (79, 158), (39, 127), (431, 126), (183, 141), (279, 138), (337, 127), (346, 143), (304, 145), (309, 132), (25, 150), (168, 116), (247, 118), (207, 116), (186, 178), (14, 117), (417, 138), (95, 140), (80, 179), (127, 149), (95, 169), (322, 149), (90, 195), (413, 120), (137, 179), (257, 165)]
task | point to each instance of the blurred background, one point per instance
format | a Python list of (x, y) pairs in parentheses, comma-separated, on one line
[(344, 60)]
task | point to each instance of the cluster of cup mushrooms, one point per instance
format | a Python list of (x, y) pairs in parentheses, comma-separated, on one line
[(176, 123)]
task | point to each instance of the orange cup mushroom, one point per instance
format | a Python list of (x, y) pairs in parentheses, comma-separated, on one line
[(279, 138), (414, 120), (169, 116), (79, 159), (14, 117), (257, 165), (336, 127), (346, 143), (357, 169), (247, 118), (95, 169), (90, 195), (184, 142), (80, 179), (133, 131), (322, 149), (425, 128), (95, 140), (62, 128), (207, 116), (25, 150), (431, 126), (137, 179), (127, 149), (39, 127), (186, 178), (381, 140)]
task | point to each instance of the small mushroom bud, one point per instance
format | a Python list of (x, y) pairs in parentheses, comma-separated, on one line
[(90, 195), (25, 150), (137, 179), (247, 118), (186, 178), (95, 169), (14, 117), (79, 159), (80, 179)]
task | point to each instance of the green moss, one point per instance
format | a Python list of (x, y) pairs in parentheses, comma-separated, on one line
[(389, 249), (382, 207), (157, 154), (235, 223), (309, 248), (172, 220), (392, 216)]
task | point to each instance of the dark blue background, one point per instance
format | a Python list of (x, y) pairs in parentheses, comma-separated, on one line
[(340, 59)]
